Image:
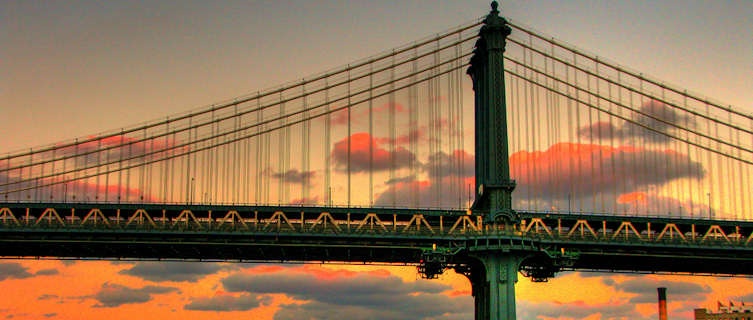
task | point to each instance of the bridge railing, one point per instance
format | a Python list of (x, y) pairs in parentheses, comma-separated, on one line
[(348, 222)]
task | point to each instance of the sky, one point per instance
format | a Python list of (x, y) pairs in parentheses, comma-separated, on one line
[(70, 69)]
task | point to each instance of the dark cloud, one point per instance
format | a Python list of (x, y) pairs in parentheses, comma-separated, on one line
[(588, 169), (405, 179), (114, 295), (355, 290), (653, 108), (458, 163), (745, 298), (447, 192), (173, 270), (425, 307), (603, 130), (295, 176), (46, 272), (50, 315), (366, 152), (244, 302), (645, 289), (353, 296), (578, 310), (587, 173), (13, 270), (48, 297)]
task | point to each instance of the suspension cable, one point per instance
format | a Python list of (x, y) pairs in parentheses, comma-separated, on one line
[(628, 72), (190, 151), (220, 119), (236, 101), (629, 120), (629, 108)]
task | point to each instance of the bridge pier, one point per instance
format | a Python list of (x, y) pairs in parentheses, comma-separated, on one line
[(493, 276)]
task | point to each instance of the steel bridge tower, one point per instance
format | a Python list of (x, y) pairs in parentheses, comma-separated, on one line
[(495, 273), (493, 184)]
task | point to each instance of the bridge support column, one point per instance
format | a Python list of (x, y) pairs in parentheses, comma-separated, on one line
[(493, 281), (493, 184)]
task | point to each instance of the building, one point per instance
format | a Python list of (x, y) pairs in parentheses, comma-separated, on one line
[(730, 312)]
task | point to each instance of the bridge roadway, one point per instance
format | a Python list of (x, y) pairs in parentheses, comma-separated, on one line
[(432, 239)]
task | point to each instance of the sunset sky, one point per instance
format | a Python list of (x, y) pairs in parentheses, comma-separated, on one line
[(72, 69)]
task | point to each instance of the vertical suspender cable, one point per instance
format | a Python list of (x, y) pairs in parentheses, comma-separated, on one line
[(414, 133), (327, 168), (391, 108), (305, 133), (281, 156), (437, 127), (371, 135), (350, 136)]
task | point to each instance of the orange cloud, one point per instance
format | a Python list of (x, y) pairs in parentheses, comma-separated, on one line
[(367, 153), (588, 169), (632, 197)]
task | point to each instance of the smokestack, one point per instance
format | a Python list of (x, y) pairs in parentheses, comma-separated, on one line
[(662, 303)]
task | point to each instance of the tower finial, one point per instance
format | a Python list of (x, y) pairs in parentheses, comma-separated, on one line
[(494, 5)]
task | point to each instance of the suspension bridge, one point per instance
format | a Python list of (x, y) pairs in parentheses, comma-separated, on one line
[(576, 163)]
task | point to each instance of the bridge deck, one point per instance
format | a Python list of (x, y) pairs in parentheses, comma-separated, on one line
[(271, 233)]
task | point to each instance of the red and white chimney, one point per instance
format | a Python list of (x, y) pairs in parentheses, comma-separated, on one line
[(662, 303)]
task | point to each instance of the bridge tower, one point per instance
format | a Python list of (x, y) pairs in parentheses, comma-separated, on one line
[(493, 184), (493, 273)]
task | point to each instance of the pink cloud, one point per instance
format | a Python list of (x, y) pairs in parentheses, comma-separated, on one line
[(367, 153)]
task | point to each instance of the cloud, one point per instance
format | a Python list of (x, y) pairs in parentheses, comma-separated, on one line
[(173, 270), (588, 169), (13, 270), (405, 179), (446, 192), (244, 302), (73, 190), (578, 310), (435, 306), (361, 144), (643, 202), (115, 295), (644, 289), (46, 272), (654, 108), (546, 178), (295, 176), (458, 163), (48, 297), (745, 298), (83, 189), (353, 295)]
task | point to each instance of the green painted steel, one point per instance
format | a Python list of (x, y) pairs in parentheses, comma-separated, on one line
[(493, 184), (493, 283)]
